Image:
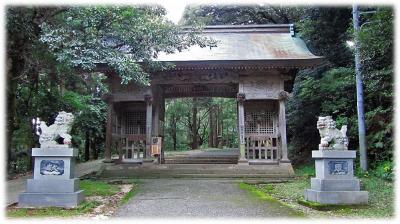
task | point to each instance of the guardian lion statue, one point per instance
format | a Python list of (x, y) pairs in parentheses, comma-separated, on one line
[(56, 134), (331, 137)]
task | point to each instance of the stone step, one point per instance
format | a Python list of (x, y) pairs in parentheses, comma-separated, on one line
[(196, 170), (201, 161), (170, 167), (202, 157), (107, 175)]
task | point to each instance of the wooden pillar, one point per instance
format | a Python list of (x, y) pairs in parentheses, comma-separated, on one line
[(107, 151), (156, 118), (283, 95), (162, 134), (149, 114), (241, 98)]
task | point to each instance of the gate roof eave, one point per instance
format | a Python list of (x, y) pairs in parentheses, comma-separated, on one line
[(291, 63), (239, 45)]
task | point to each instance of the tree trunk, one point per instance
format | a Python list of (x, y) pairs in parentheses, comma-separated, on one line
[(87, 146), (221, 130), (211, 133), (93, 147), (174, 137), (213, 137), (195, 138)]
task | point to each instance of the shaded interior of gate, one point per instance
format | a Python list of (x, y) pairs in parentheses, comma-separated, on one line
[(261, 128)]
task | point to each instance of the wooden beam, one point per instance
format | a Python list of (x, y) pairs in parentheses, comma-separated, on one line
[(195, 76)]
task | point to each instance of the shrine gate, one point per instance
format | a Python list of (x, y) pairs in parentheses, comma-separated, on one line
[(256, 64)]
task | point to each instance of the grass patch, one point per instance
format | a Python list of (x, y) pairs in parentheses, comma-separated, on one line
[(256, 192), (98, 188), (263, 195), (83, 208), (130, 194), (380, 204)]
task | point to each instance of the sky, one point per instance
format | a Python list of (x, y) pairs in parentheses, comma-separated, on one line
[(174, 10)]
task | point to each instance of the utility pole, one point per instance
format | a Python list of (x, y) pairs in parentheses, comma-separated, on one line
[(360, 94)]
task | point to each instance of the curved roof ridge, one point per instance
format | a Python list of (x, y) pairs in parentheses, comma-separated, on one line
[(256, 28)]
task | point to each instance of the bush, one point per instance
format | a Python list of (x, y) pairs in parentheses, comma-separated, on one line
[(385, 170), (306, 170)]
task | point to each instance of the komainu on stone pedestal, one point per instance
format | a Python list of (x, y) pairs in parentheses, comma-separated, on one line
[(57, 133), (334, 182), (53, 182), (331, 137)]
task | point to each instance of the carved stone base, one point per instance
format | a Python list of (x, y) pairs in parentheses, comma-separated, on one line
[(335, 182), (53, 182)]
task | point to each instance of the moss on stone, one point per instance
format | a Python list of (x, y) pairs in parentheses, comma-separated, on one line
[(328, 207), (259, 194)]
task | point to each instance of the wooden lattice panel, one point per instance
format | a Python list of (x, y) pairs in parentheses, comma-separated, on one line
[(260, 122), (264, 148), (135, 122)]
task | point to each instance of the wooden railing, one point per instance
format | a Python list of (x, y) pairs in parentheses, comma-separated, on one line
[(262, 147)]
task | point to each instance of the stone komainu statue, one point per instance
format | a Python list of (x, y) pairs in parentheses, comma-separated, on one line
[(57, 133), (331, 137)]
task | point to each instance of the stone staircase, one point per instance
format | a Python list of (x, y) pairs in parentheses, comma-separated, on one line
[(216, 156), (149, 170), (222, 159), (215, 163)]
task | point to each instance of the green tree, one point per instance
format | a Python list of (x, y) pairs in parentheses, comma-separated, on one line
[(53, 54), (240, 14), (377, 46), (126, 39)]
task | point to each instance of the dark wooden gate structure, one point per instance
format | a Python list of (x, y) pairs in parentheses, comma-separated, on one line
[(255, 64)]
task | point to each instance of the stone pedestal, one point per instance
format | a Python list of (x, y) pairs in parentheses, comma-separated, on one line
[(53, 182), (335, 182)]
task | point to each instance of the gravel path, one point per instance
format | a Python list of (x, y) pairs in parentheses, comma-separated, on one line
[(198, 198)]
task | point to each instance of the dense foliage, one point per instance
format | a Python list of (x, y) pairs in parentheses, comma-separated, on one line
[(181, 132), (328, 89), (55, 57)]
